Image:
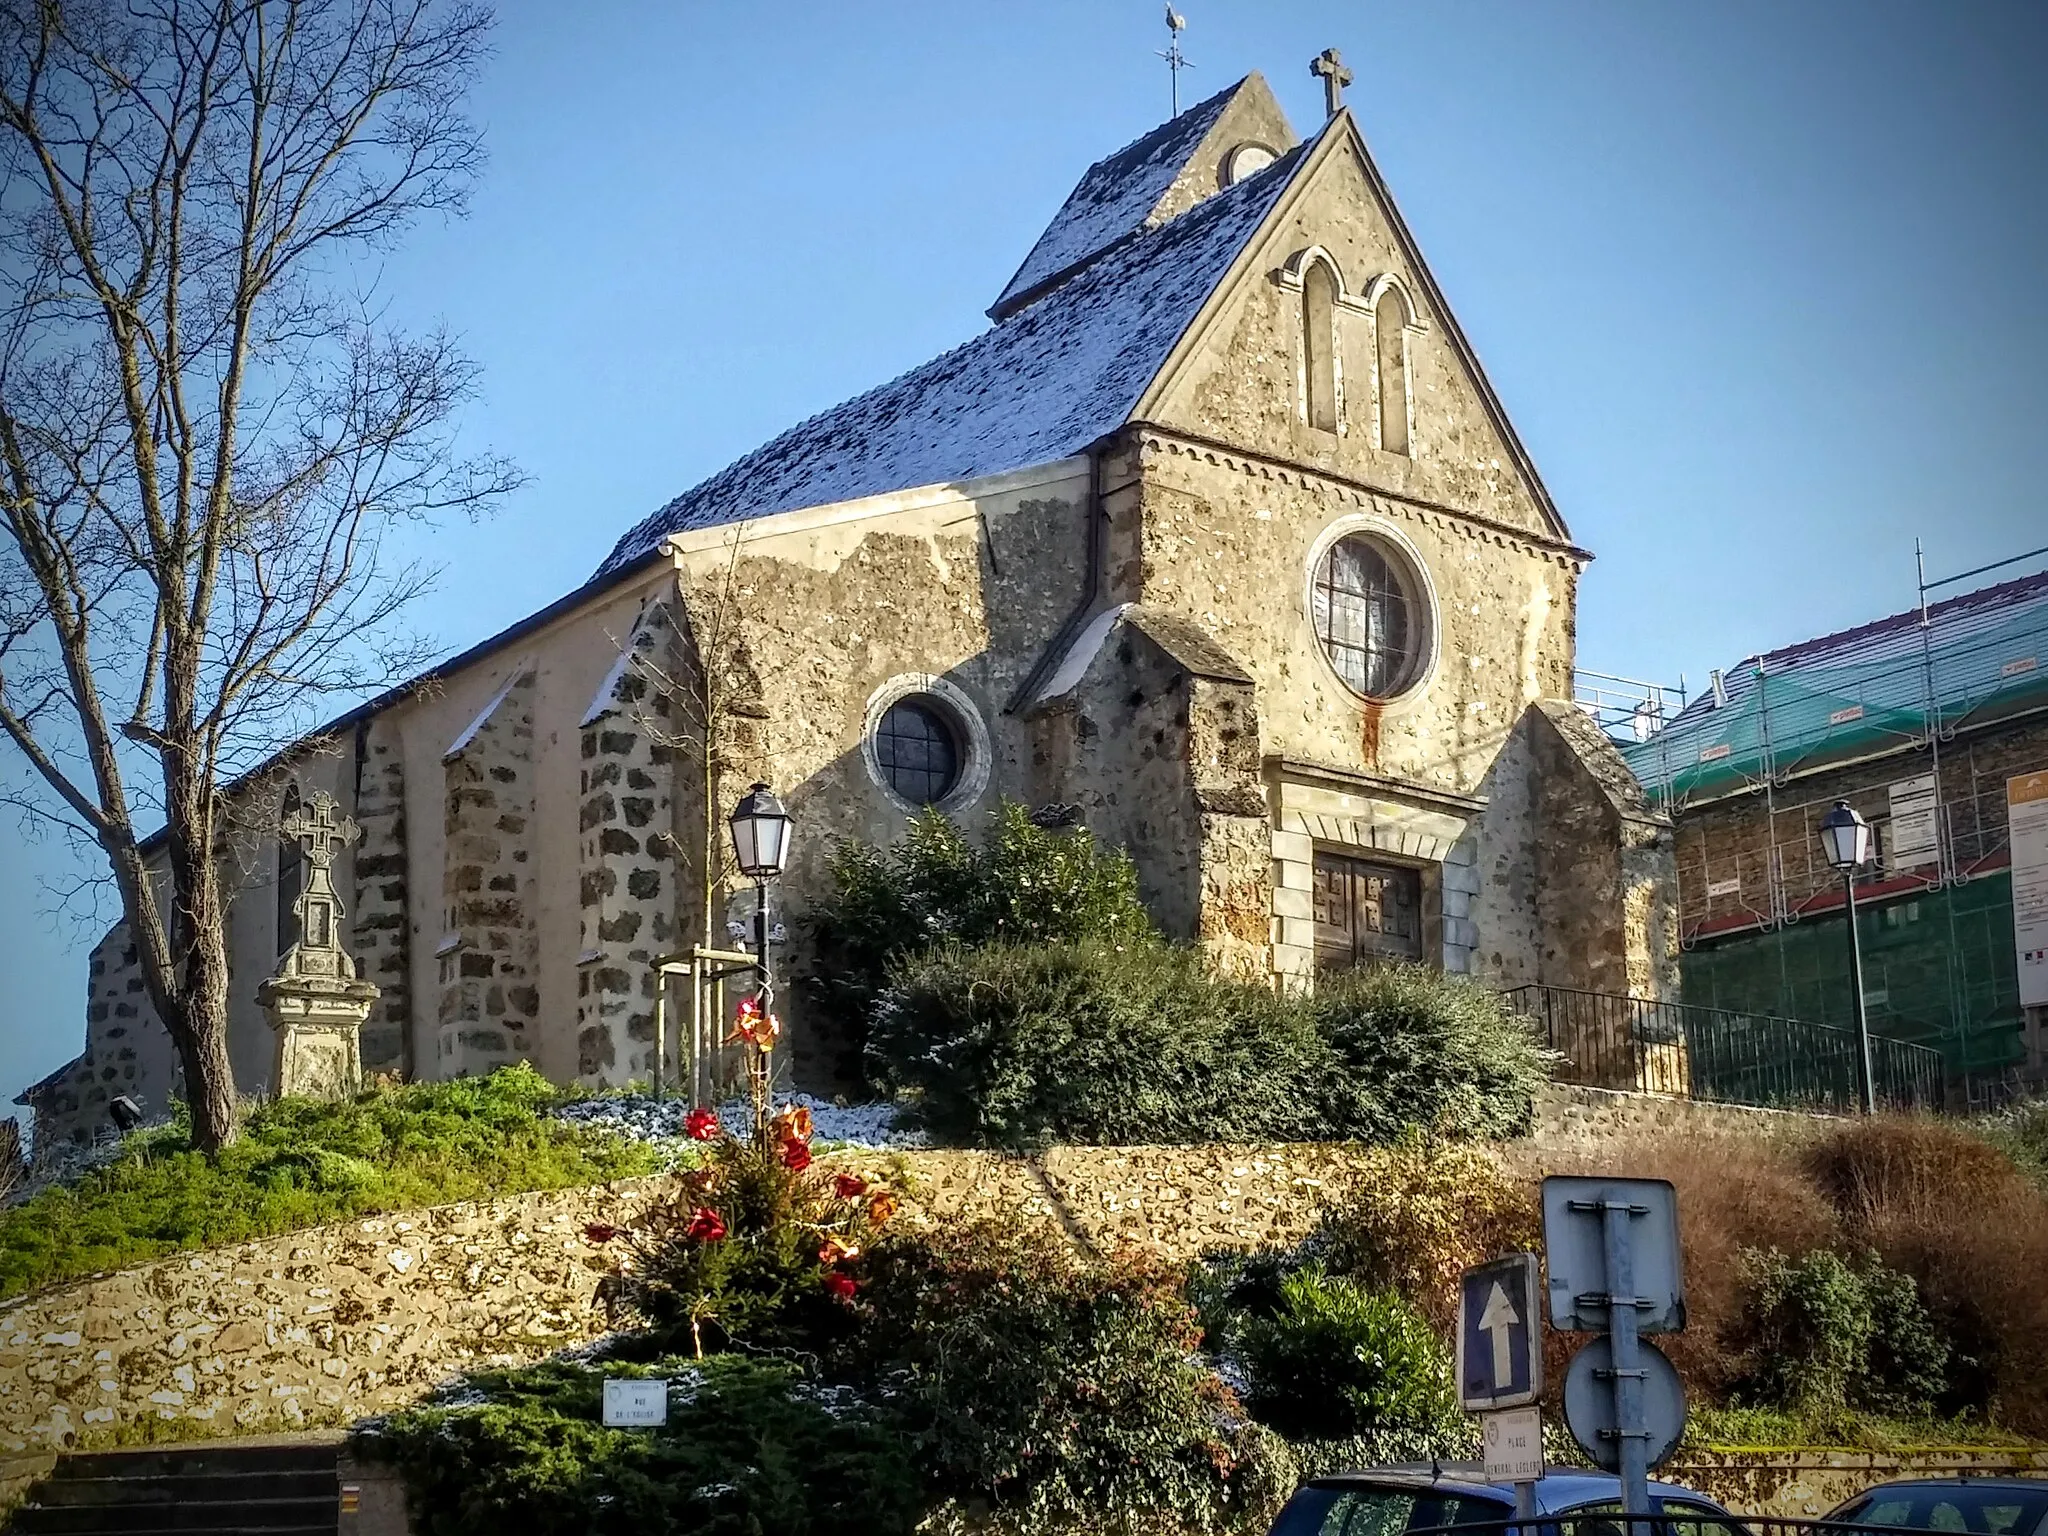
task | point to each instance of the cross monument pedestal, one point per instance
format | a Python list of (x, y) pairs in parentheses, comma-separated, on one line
[(315, 1003)]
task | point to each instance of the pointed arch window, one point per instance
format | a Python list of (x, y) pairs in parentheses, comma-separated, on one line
[(291, 875), (1390, 328), (1319, 344)]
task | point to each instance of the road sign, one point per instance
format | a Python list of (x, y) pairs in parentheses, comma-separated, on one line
[(1511, 1444), (634, 1404), (1500, 1334), (1575, 1252), (1589, 1404)]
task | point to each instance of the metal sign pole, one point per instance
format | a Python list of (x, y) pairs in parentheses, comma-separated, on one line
[(1632, 1434)]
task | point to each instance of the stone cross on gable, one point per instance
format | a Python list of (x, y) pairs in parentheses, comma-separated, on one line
[(323, 835), (1328, 66)]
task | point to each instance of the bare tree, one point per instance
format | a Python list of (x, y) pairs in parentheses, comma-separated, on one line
[(207, 432)]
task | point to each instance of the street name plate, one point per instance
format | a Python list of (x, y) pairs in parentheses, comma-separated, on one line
[(1512, 1444), (634, 1404)]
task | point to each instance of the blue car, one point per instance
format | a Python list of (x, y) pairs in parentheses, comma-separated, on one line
[(1390, 1501)]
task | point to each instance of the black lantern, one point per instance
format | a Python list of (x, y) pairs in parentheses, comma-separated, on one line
[(1846, 837), (760, 833)]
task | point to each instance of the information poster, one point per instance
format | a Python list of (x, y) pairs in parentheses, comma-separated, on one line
[(1911, 842), (2026, 805)]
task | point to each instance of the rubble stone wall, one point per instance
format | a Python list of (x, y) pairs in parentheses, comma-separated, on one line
[(380, 931)]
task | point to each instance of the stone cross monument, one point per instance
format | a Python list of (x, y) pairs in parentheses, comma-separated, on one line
[(314, 1002)]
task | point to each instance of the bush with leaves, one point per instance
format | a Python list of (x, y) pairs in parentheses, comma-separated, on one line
[(1094, 1043), (1020, 884), (1825, 1334), (1332, 1358), (1057, 1391), (750, 1447), (755, 1247)]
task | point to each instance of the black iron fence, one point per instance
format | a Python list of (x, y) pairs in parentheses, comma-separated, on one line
[(1606, 1041)]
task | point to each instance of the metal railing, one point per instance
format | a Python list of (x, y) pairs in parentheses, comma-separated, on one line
[(1730, 1057)]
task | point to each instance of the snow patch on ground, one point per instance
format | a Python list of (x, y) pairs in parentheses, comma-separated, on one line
[(659, 1122)]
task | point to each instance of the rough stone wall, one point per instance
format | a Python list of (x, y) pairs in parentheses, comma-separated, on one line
[(489, 1002), (380, 927), (127, 1051), (1795, 1485), (628, 886), (344, 1321)]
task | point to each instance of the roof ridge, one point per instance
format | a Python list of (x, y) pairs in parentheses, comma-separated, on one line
[(1996, 592)]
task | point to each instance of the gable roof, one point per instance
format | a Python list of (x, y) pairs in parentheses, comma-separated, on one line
[(1114, 197), (1877, 688), (1044, 385)]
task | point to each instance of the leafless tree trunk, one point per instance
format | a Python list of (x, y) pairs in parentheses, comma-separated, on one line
[(205, 432)]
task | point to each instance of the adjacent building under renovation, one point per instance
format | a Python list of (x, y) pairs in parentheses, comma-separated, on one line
[(1933, 724)]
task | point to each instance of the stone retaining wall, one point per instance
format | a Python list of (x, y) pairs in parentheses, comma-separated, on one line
[(332, 1324), (1807, 1484)]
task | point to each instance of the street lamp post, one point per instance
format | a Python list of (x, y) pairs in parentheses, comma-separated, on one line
[(1846, 838), (760, 845)]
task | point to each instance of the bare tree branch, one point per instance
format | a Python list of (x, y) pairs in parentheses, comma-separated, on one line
[(204, 445)]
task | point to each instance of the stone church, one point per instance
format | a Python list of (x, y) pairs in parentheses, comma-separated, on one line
[(1217, 538)]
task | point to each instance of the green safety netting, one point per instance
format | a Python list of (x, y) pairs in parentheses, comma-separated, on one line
[(1978, 656)]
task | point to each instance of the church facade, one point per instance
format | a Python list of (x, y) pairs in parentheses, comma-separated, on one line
[(1216, 540)]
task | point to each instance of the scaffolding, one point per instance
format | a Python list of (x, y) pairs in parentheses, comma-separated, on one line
[(1805, 726)]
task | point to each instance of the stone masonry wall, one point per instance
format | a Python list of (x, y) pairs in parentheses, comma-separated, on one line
[(126, 1051), (489, 1003), (627, 851), (333, 1324), (380, 933)]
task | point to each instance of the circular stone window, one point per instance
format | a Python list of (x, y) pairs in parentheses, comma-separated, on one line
[(917, 751), (925, 744), (1371, 613)]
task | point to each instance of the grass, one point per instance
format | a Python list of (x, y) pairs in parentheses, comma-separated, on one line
[(1751, 1429), (305, 1163)]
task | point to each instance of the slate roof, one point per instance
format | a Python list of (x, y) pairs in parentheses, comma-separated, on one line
[(1866, 690), (1042, 386), (1114, 197)]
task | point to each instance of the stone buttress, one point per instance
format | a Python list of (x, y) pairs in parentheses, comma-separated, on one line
[(380, 935), (627, 854), (490, 1003)]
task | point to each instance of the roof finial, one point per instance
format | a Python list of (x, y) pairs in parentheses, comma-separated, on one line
[(1175, 24), (1329, 67)]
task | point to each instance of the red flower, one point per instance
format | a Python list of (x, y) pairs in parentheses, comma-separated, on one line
[(796, 1156), (847, 1187), (600, 1232), (706, 1225), (841, 1284), (836, 1250), (702, 1124)]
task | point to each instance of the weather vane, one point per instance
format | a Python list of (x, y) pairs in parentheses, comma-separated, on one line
[(1175, 63)]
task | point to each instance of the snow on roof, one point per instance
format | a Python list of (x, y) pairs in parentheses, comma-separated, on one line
[(518, 675), (1114, 198), (1041, 386)]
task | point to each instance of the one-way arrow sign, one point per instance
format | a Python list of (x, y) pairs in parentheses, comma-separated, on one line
[(1500, 1335)]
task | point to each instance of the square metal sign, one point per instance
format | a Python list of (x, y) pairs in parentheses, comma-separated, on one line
[(1576, 1217), (1511, 1445), (634, 1403), (1500, 1334)]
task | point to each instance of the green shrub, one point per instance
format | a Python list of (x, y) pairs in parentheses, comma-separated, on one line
[(1419, 1048), (1055, 1391), (1334, 1359), (1094, 1043), (301, 1163), (1021, 884), (1824, 1334), (751, 1448)]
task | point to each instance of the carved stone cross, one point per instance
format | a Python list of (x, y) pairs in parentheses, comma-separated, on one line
[(320, 831), (1328, 66)]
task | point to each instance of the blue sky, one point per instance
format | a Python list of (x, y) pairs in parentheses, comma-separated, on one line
[(1760, 284)]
